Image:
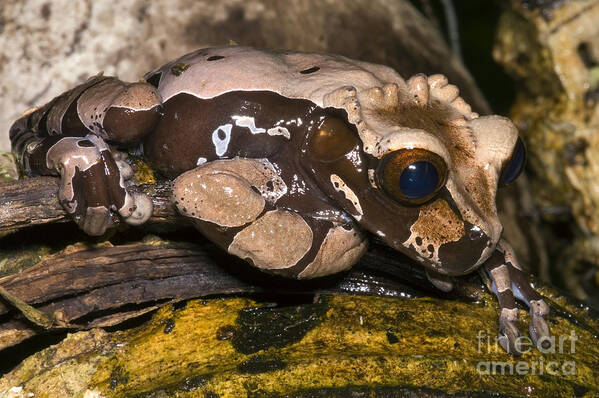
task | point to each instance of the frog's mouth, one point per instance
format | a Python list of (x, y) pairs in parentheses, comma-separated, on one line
[(453, 258)]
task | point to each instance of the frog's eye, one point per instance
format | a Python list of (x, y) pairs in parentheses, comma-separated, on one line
[(412, 176), (513, 168)]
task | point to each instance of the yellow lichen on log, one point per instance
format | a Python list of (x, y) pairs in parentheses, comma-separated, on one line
[(236, 347)]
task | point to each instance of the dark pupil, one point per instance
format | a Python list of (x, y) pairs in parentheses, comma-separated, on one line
[(512, 170), (419, 179)]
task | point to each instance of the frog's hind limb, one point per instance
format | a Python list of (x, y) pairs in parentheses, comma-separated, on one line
[(234, 204), (509, 281)]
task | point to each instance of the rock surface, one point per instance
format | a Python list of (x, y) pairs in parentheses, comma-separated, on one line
[(552, 51), (47, 47)]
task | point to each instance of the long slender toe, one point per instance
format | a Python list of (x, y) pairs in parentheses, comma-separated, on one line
[(509, 335), (539, 329)]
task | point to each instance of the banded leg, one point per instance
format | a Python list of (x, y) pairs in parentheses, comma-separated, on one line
[(508, 319), (507, 276), (538, 327), (234, 204), (67, 137)]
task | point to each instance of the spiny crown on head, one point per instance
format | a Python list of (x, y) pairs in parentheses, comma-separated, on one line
[(428, 113), (422, 103)]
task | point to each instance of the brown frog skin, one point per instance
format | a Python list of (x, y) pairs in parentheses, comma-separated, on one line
[(286, 159)]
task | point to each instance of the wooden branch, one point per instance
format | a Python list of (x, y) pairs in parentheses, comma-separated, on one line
[(29, 202), (33, 201)]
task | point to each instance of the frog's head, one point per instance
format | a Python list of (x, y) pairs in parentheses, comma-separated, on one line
[(424, 171)]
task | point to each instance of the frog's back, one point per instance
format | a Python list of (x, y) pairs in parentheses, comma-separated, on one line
[(238, 101), (210, 72)]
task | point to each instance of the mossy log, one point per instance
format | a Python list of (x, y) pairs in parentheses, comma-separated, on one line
[(86, 286), (340, 345)]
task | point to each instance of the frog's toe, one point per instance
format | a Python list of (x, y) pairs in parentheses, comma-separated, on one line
[(142, 209), (125, 169), (539, 329), (509, 335)]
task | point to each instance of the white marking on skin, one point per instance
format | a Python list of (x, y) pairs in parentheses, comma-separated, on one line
[(381, 234), (201, 161), (509, 314), (487, 251), (500, 276), (221, 145), (279, 131), (341, 186), (279, 186), (297, 186), (249, 122), (371, 178), (71, 206)]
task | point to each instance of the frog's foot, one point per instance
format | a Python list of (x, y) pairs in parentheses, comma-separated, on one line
[(92, 186), (538, 327), (508, 281)]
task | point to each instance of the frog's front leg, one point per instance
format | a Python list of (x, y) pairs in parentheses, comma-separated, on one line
[(93, 184), (234, 204), (509, 281), (68, 136)]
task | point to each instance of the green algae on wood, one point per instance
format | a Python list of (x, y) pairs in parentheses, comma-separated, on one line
[(8, 167), (343, 345)]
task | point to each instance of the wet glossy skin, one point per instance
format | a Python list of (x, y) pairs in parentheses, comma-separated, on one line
[(287, 159), (308, 159)]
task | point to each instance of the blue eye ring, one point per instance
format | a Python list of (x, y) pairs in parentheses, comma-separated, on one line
[(515, 165), (412, 176)]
